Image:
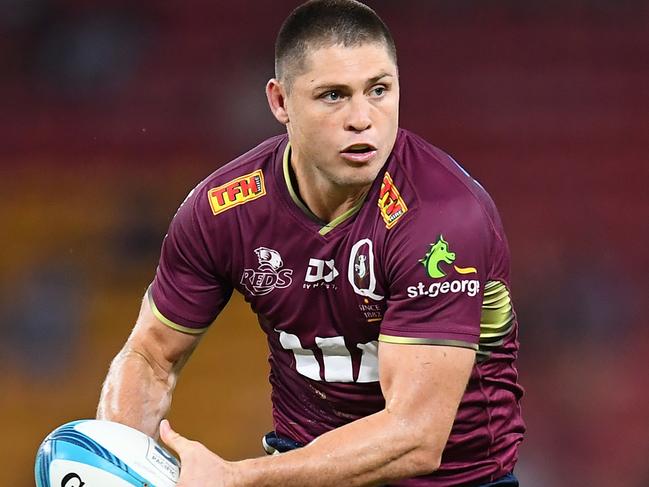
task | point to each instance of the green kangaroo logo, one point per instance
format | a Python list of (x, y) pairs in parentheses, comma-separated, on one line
[(438, 252)]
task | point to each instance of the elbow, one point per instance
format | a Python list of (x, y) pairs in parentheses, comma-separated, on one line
[(424, 460), (425, 454)]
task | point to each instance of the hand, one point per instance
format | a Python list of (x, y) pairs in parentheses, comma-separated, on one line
[(199, 466)]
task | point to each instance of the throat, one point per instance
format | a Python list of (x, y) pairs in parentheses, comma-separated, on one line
[(324, 203)]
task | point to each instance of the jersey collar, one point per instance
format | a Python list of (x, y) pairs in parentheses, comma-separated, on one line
[(325, 227)]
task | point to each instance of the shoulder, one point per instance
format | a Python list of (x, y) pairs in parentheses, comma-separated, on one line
[(434, 186), (239, 181), (443, 207)]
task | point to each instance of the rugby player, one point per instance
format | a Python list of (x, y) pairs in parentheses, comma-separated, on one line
[(378, 269)]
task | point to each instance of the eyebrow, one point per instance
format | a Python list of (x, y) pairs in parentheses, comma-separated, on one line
[(338, 86)]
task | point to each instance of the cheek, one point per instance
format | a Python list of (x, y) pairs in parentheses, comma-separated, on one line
[(312, 134), (390, 110), (390, 123), (326, 119), (319, 127)]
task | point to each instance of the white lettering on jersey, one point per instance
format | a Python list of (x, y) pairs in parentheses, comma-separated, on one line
[(370, 362), (305, 362), (336, 358), (469, 286)]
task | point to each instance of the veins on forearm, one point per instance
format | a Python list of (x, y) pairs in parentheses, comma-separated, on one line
[(133, 370), (161, 374), (379, 457)]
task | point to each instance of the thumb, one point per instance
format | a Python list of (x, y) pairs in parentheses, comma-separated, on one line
[(171, 438)]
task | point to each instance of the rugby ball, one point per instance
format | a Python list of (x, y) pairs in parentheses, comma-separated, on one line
[(97, 453)]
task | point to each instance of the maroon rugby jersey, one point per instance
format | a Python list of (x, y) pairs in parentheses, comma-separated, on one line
[(422, 259)]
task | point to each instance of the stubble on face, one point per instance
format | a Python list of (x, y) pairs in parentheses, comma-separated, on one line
[(344, 100)]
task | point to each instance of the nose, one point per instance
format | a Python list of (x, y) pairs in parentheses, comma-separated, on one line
[(358, 116)]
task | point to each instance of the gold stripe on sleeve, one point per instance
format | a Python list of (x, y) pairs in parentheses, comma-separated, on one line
[(497, 318), (168, 322), (426, 341)]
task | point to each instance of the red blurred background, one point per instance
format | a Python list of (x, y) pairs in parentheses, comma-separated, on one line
[(110, 112)]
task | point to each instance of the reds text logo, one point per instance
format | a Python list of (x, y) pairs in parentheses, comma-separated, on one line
[(269, 275)]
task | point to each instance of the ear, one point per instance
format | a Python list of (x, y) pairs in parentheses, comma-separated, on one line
[(276, 96)]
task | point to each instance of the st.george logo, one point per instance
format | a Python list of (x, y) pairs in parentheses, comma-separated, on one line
[(269, 275), (438, 258), (439, 253)]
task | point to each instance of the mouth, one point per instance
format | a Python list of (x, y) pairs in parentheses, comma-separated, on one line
[(359, 152)]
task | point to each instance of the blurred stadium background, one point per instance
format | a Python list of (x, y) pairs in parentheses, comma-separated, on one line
[(110, 111)]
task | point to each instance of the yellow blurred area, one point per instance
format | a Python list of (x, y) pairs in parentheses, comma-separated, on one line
[(222, 399)]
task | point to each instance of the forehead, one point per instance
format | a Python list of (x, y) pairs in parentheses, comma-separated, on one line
[(345, 64)]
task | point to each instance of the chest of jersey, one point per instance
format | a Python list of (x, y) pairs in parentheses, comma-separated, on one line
[(314, 286), (319, 298)]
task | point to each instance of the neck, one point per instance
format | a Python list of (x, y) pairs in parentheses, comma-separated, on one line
[(325, 199)]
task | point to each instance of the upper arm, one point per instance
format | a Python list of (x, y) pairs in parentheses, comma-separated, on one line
[(437, 269), (191, 287), (188, 290), (436, 264), (423, 386), (165, 348)]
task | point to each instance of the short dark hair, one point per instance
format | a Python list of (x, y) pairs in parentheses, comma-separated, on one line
[(324, 23)]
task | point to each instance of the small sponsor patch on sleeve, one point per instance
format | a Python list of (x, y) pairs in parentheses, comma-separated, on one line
[(237, 192), (390, 202)]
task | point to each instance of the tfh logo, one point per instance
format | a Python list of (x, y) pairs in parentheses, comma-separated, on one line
[(237, 192)]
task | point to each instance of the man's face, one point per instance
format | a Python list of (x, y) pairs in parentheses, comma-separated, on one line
[(343, 113)]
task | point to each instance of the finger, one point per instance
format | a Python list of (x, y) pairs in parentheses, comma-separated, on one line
[(171, 438)]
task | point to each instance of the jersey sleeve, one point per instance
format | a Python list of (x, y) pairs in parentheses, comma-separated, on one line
[(436, 264), (187, 293)]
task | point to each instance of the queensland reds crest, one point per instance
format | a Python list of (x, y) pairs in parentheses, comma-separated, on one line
[(269, 275), (360, 270)]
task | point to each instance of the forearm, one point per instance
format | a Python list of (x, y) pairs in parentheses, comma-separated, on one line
[(137, 392), (370, 451)]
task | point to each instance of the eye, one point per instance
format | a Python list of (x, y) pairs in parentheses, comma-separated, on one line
[(331, 96), (378, 91)]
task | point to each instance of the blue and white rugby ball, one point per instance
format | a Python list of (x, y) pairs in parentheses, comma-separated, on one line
[(96, 453)]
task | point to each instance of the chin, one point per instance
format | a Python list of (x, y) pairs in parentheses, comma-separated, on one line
[(355, 177)]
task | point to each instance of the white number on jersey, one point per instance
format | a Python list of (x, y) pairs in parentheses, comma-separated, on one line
[(337, 360)]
